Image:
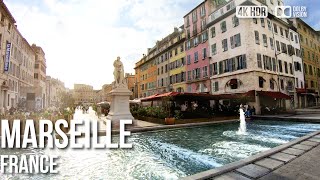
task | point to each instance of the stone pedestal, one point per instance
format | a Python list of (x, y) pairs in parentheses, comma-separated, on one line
[(119, 107)]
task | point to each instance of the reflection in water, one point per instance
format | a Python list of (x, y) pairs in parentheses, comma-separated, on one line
[(169, 154)]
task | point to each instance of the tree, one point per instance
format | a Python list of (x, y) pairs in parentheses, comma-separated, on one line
[(65, 100)]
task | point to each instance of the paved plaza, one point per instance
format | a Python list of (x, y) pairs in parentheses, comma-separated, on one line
[(304, 167)]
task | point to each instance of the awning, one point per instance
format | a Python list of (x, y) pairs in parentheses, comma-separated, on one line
[(301, 90), (274, 94), (178, 94)]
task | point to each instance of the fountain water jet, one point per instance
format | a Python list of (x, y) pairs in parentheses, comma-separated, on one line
[(243, 127)]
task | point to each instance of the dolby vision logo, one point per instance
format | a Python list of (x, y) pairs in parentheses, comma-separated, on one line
[(283, 12)]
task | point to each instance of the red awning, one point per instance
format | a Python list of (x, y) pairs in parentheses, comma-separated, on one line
[(301, 90), (273, 94)]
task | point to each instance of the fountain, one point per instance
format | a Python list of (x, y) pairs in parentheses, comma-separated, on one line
[(243, 127)]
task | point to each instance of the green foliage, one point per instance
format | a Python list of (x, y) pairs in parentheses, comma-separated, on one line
[(177, 114), (156, 112)]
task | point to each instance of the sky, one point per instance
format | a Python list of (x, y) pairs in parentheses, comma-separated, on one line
[(82, 38)]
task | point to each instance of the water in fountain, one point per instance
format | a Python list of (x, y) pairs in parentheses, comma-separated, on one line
[(78, 113), (243, 126)]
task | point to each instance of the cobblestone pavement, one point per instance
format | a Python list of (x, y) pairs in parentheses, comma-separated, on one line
[(305, 167)]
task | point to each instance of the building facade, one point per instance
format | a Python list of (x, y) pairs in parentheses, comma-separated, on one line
[(254, 54), (197, 46), (40, 69), (130, 79), (177, 63), (17, 69), (310, 52), (54, 89)]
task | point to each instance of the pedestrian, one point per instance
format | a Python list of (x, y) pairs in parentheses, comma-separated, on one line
[(253, 110)]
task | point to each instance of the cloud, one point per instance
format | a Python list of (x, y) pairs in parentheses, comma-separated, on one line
[(81, 39)]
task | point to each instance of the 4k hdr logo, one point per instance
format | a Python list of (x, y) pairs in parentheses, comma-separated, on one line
[(251, 11), (262, 11)]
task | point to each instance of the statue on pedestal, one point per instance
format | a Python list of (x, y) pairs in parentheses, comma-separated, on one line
[(120, 95), (118, 73)]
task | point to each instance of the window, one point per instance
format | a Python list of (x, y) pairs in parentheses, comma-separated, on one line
[(187, 21), (282, 84), (189, 59), (235, 21), (305, 68), (291, 36), (213, 32), (262, 22), (214, 49), (196, 57), (284, 48), (290, 68), (271, 83), (203, 24), (36, 76), (269, 25), (223, 26), (204, 36), (204, 53), (275, 28), (196, 41), (202, 11), (296, 38), (220, 67), (233, 83), (265, 40), (274, 68), (194, 31), (256, 35), (194, 16), (310, 70), (237, 40), (215, 68), (255, 20), (280, 65), (286, 33), (189, 75), (259, 60), (215, 86), (225, 45), (285, 67), (278, 45), (241, 62), (281, 31), (261, 81), (36, 66), (205, 71), (271, 43)]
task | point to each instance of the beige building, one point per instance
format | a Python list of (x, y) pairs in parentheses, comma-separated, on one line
[(39, 88), (130, 79), (254, 54), (104, 92), (18, 68), (85, 94), (54, 88)]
